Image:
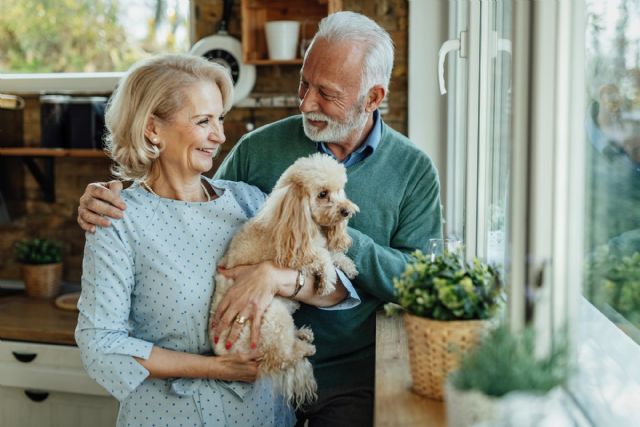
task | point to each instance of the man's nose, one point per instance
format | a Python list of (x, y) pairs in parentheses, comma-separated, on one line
[(308, 101)]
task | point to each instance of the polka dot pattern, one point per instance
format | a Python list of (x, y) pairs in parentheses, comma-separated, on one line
[(148, 280)]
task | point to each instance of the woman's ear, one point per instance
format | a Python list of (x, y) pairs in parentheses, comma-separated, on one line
[(151, 131), (374, 98)]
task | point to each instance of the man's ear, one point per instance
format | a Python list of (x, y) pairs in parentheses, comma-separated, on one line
[(374, 98)]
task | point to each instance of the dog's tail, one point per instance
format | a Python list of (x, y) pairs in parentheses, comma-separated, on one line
[(296, 384)]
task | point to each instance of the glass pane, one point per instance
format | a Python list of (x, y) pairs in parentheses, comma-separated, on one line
[(612, 277), (88, 35), (458, 70), (499, 132)]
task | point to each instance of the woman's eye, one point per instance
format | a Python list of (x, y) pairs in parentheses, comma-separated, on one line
[(322, 195), (203, 122), (221, 119)]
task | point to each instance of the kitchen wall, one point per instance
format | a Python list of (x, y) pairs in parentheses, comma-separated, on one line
[(34, 217)]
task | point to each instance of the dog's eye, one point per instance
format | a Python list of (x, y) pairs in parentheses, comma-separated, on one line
[(322, 195)]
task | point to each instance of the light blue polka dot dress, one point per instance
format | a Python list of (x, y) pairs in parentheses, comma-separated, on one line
[(147, 280)]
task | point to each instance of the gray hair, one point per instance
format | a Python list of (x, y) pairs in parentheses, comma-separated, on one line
[(378, 58), (154, 87)]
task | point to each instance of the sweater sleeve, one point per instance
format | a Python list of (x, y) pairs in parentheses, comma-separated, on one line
[(420, 219), (102, 332)]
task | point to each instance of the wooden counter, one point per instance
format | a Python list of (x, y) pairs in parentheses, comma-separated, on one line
[(395, 404), (36, 320)]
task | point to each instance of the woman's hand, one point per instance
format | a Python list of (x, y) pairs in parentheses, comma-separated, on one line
[(100, 200), (234, 367), (254, 289)]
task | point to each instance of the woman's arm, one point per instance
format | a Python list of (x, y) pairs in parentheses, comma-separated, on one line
[(164, 363), (254, 288)]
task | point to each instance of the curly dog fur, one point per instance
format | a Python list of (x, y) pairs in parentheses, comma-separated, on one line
[(302, 226)]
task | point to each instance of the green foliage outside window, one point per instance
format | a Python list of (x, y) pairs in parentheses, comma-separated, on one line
[(49, 36)]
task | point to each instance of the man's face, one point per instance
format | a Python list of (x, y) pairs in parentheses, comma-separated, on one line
[(329, 92)]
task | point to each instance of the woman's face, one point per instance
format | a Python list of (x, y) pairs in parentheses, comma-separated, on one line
[(193, 135)]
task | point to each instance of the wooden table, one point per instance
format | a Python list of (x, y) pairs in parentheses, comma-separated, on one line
[(36, 320), (395, 404)]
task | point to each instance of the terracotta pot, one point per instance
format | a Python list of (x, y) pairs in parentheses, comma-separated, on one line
[(435, 348), (42, 281)]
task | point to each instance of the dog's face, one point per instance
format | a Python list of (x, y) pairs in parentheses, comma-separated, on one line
[(329, 204)]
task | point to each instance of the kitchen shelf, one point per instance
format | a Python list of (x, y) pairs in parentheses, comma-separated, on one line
[(51, 152), (45, 175), (256, 12)]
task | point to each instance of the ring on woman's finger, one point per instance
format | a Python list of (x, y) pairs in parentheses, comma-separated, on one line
[(240, 320)]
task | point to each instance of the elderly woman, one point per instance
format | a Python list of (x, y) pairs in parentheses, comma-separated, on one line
[(147, 280)]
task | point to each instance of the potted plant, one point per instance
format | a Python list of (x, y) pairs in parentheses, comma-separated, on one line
[(502, 363), (447, 303), (41, 266)]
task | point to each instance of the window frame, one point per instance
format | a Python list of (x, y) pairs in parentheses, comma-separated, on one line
[(97, 82)]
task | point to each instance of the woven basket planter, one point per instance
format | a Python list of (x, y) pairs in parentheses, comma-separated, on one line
[(434, 350), (42, 281)]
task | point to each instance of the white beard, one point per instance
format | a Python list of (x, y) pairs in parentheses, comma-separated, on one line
[(335, 132)]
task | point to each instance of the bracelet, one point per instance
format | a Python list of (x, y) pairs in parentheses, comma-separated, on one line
[(299, 283)]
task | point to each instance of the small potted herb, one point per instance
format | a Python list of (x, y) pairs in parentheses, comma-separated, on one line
[(41, 266), (502, 363), (447, 303)]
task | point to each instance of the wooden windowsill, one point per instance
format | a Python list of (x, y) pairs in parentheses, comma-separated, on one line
[(395, 404)]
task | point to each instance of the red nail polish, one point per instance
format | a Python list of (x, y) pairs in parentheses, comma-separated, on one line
[(253, 346), (228, 345), (215, 340)]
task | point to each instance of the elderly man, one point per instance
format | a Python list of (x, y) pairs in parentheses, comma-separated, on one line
[(344, 78)]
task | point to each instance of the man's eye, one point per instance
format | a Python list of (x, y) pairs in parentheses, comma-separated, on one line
[(322, 194)]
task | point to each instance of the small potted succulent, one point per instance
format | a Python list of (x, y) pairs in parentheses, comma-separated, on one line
[(504, 362), (447, 303), (41, 266)]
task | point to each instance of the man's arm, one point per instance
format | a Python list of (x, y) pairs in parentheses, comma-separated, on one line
[(99, 202)]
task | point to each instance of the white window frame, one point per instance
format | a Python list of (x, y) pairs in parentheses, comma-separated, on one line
[(101, 82)]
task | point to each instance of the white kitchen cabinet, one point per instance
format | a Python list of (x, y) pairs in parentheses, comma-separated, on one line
[(43, 385)]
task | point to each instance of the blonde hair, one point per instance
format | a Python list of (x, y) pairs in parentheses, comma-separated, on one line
[(155, 86)]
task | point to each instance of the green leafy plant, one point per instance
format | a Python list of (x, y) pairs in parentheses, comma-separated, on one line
[(506, 362), (449, 288), (614, 279), (38, 251)]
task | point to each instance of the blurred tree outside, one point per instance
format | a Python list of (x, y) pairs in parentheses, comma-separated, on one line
[(50, 36)]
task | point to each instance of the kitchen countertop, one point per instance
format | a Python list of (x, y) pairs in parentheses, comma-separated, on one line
[(395, 404), (36, 320)]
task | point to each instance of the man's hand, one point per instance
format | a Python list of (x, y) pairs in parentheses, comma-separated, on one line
[(100, 200), (254, 289)]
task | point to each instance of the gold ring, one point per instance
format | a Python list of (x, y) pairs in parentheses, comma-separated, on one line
[(240, 320)]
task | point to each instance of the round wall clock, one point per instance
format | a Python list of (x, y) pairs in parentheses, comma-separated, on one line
[(227, 51)]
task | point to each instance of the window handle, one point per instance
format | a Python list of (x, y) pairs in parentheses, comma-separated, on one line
[(459, 44)]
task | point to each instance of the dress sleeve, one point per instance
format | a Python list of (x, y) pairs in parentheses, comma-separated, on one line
[(102, 333)]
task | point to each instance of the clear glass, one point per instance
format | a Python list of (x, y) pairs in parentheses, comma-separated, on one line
[(612, 121), (443, 246), (58, 36)]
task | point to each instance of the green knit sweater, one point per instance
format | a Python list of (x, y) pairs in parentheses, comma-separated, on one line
[(398, 192)]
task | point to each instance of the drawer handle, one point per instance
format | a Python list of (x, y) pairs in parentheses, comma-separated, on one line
[(36, 396), (24, 357)]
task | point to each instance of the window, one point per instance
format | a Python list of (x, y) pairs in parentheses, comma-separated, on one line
[(612, 121), (48, 42)]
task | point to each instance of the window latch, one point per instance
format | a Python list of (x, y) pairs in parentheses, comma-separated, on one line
[(460, 45)]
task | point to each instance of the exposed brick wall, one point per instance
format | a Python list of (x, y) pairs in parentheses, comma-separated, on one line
[(57, 220)]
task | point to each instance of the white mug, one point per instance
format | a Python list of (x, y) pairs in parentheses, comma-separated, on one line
[(282, 39)]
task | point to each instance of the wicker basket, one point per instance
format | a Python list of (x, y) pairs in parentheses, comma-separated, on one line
[(434, 349), (42, 281)]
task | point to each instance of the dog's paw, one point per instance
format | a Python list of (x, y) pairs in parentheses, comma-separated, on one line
[(345, 264), (305, 334)]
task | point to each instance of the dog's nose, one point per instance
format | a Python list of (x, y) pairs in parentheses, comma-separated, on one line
[(345, 212)]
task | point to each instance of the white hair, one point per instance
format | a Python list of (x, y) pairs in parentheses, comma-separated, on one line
[(355, 27)]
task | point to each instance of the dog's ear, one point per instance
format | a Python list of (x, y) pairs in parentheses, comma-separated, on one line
[(338, 240), (287, 214)]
